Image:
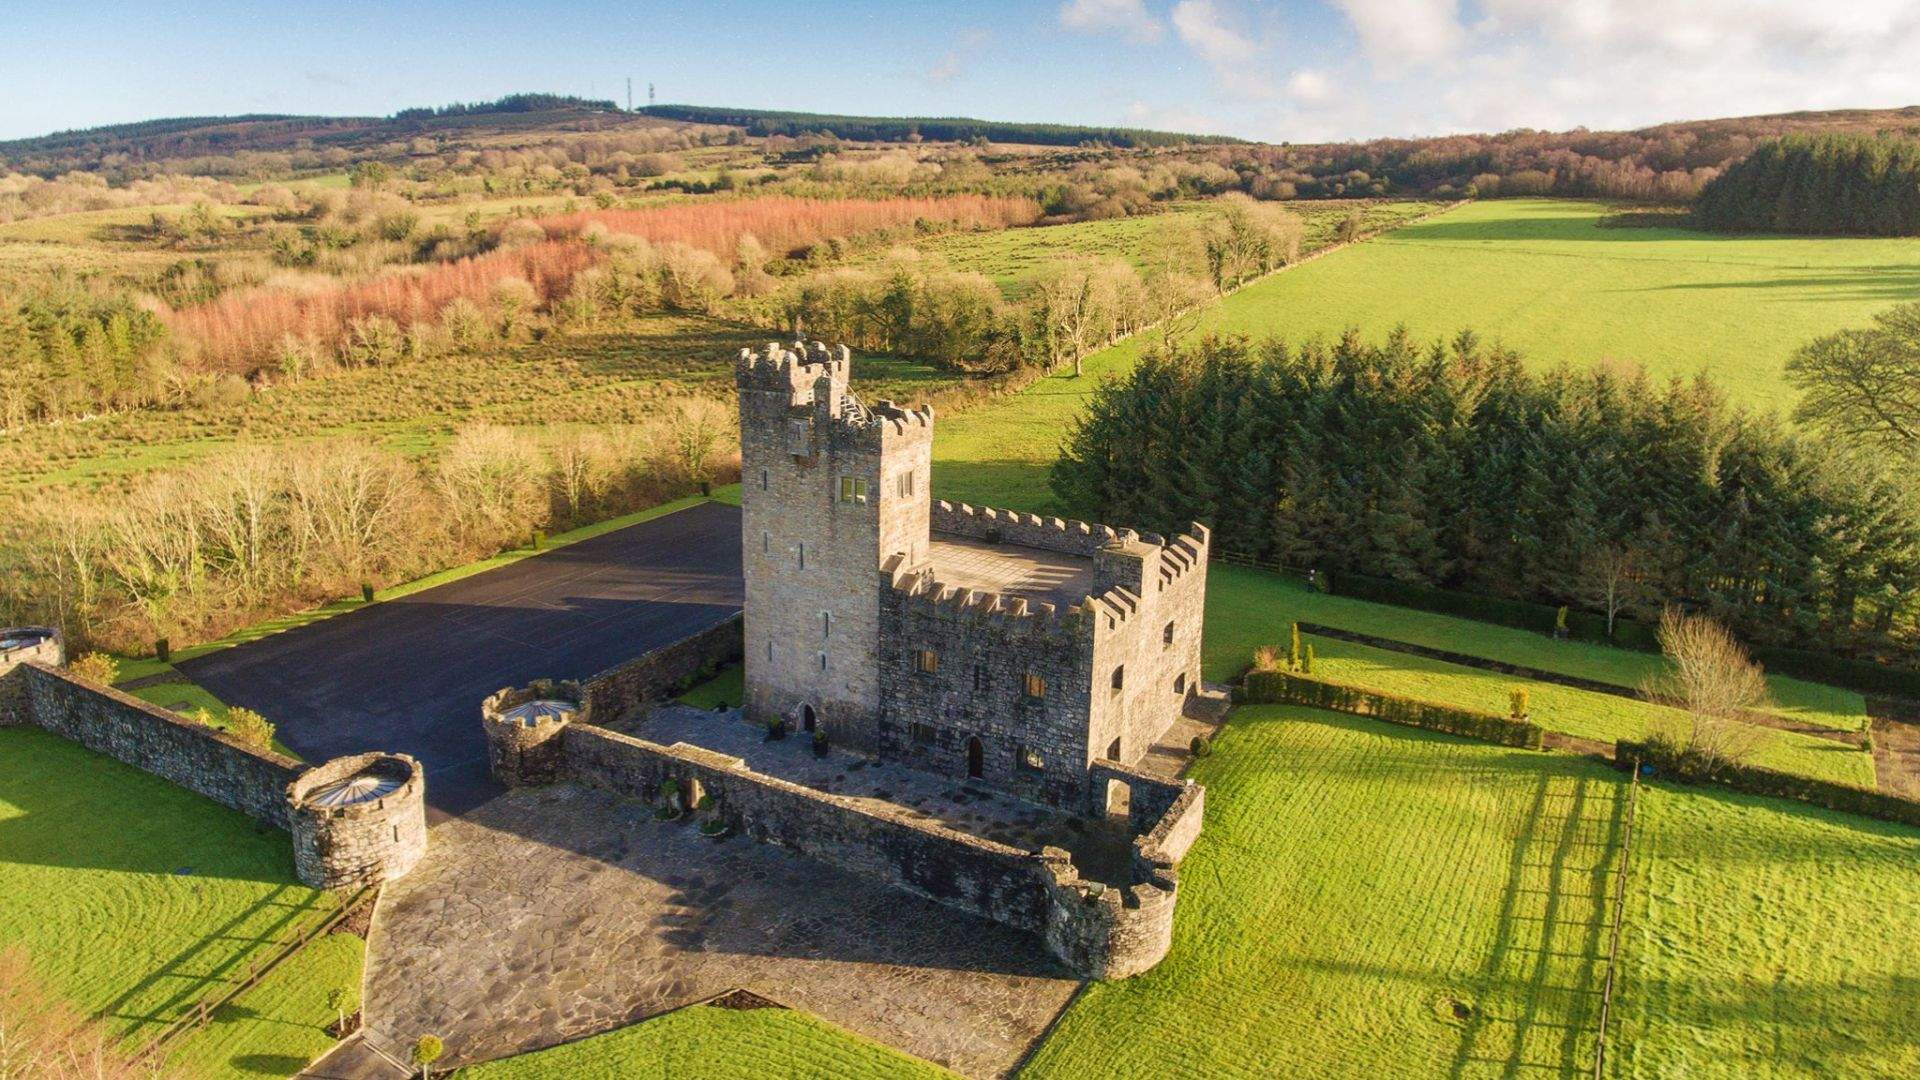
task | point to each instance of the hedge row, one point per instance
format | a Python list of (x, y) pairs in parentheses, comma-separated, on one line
[(1294, 688), (1863, 676), (1675, 764)]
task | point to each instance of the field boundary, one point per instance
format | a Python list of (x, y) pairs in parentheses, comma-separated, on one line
[(1573, 682), (1619, 917), (201, 1012)]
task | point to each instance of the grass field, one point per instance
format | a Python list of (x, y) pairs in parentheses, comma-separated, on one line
[(1539, 275), (276, 1028), (134, 897), (704, 1042)]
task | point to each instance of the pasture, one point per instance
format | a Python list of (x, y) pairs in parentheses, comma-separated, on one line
[(1541, 276)]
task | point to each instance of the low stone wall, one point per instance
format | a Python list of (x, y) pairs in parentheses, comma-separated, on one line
[(359, 843), (621, 692), (151, 739), (1027, 530), (1097, 930)]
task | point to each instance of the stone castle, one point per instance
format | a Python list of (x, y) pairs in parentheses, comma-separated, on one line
[(1019, 652)]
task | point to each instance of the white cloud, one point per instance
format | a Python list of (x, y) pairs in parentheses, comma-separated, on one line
[(1307, 85), (1205, 30), (1396, 33), (953, 63), (1128, 18)]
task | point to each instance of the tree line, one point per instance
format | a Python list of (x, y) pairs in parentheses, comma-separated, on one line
[(1830, 184), (1452, 466)]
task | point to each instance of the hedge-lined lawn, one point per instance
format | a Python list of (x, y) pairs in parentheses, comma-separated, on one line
[(1583, 713), (134, 897), (1767, 939), (278, 1027), (711, 1043), (1248, 608), (1355, 883)]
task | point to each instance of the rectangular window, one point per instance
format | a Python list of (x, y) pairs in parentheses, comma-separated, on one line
[(826, 624), (1180, 683), (823, 661), (926, 660), (766, 543), (1035, 686), (763, 479), (769, 652), (979, 677), (1166, 635), (853, 489), (906, 484), (803, 554), (922, 733), (1027, 759), (1119, 676)]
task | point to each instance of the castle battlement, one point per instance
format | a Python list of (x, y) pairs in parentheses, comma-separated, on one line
[(917, 584), (798, 365)]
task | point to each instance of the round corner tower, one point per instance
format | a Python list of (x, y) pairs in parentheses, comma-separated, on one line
[(358, 820), (524, 727), (830, 488), (20, 645)]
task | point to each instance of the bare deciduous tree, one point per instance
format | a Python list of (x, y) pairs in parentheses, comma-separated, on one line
[(696, 427), (1711, 677), (1610, 579)]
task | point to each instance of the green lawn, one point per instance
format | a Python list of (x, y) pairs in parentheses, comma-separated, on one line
[(1582, 713), (1248, 608), (1767, 939), (135, 898), (1354, 882), (276, 1028), (728, 687), (708, 1043)]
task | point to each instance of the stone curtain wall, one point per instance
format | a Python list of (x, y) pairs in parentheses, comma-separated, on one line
[(620, 692), (198, 758), (1098, 931)]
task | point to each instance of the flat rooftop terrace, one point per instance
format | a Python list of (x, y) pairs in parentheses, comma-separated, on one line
[(1010, 569), (1101, 850)]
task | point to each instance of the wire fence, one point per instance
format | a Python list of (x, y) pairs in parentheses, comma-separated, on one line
[(1619, 917)]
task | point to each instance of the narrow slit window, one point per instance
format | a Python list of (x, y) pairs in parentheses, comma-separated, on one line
[(1166, 635), (763, 479), (1035, 686), (927, 661), (803, 554), (1119, 676), (826, 624)]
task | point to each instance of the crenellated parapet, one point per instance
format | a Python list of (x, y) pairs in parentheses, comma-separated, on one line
[(916, 584), (792, 368)]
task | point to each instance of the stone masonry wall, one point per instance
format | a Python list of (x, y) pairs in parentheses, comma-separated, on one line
[(1098, 931), (985, 648), (363, 843), (198, 758), (620, 692)]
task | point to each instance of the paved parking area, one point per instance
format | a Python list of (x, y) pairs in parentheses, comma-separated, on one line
[(408, 675), (550, 914)]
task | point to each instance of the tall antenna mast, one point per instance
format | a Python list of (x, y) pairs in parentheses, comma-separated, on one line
[(629, 93), (649, 95)]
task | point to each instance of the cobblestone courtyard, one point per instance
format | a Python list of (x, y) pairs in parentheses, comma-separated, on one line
[(550, 914)]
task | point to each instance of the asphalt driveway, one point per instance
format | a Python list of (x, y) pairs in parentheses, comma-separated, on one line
[(408, 675)]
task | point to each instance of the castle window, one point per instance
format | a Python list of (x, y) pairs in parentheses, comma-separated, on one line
[(853, 489), (1119, 676), (922, 733), (1027, 759), (766, 543), (927, 660), (769, 652), (763, 479), (1035, 686), (826, 624), (1180, 683), (906, 484), (979, 677), (803, 554), (1166, 635), (1113, 752), (823, 661)]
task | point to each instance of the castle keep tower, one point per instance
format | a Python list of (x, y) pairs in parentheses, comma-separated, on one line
[(829, 489)]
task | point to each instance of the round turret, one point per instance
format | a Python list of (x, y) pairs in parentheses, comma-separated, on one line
[(358, 820), (523, 727)]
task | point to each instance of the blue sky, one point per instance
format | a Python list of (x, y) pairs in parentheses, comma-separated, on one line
[(1299, 70)]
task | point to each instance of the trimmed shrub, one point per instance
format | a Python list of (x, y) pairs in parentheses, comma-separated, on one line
[(96, 667), (1676, 764), (250, 728), (1290, 688), (1518, 699), (1861, 675)]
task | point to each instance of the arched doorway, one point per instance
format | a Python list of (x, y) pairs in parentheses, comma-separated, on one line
[(976, 759), (807, 719)]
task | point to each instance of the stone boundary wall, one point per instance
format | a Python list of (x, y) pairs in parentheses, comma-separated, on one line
[(621, 691), (196, 757), (1097, 930)]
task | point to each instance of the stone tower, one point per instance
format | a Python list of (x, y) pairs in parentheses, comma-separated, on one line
[(829, 489)]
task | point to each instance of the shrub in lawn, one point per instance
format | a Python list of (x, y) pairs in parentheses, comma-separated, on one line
[(1265, 658), (96, 667), (1293, 649), (1306, 661), (250, 728), (1517, 698), (1201, 746)]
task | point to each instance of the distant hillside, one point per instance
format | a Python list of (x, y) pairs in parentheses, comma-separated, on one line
[(183, 139), (763, 122)]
